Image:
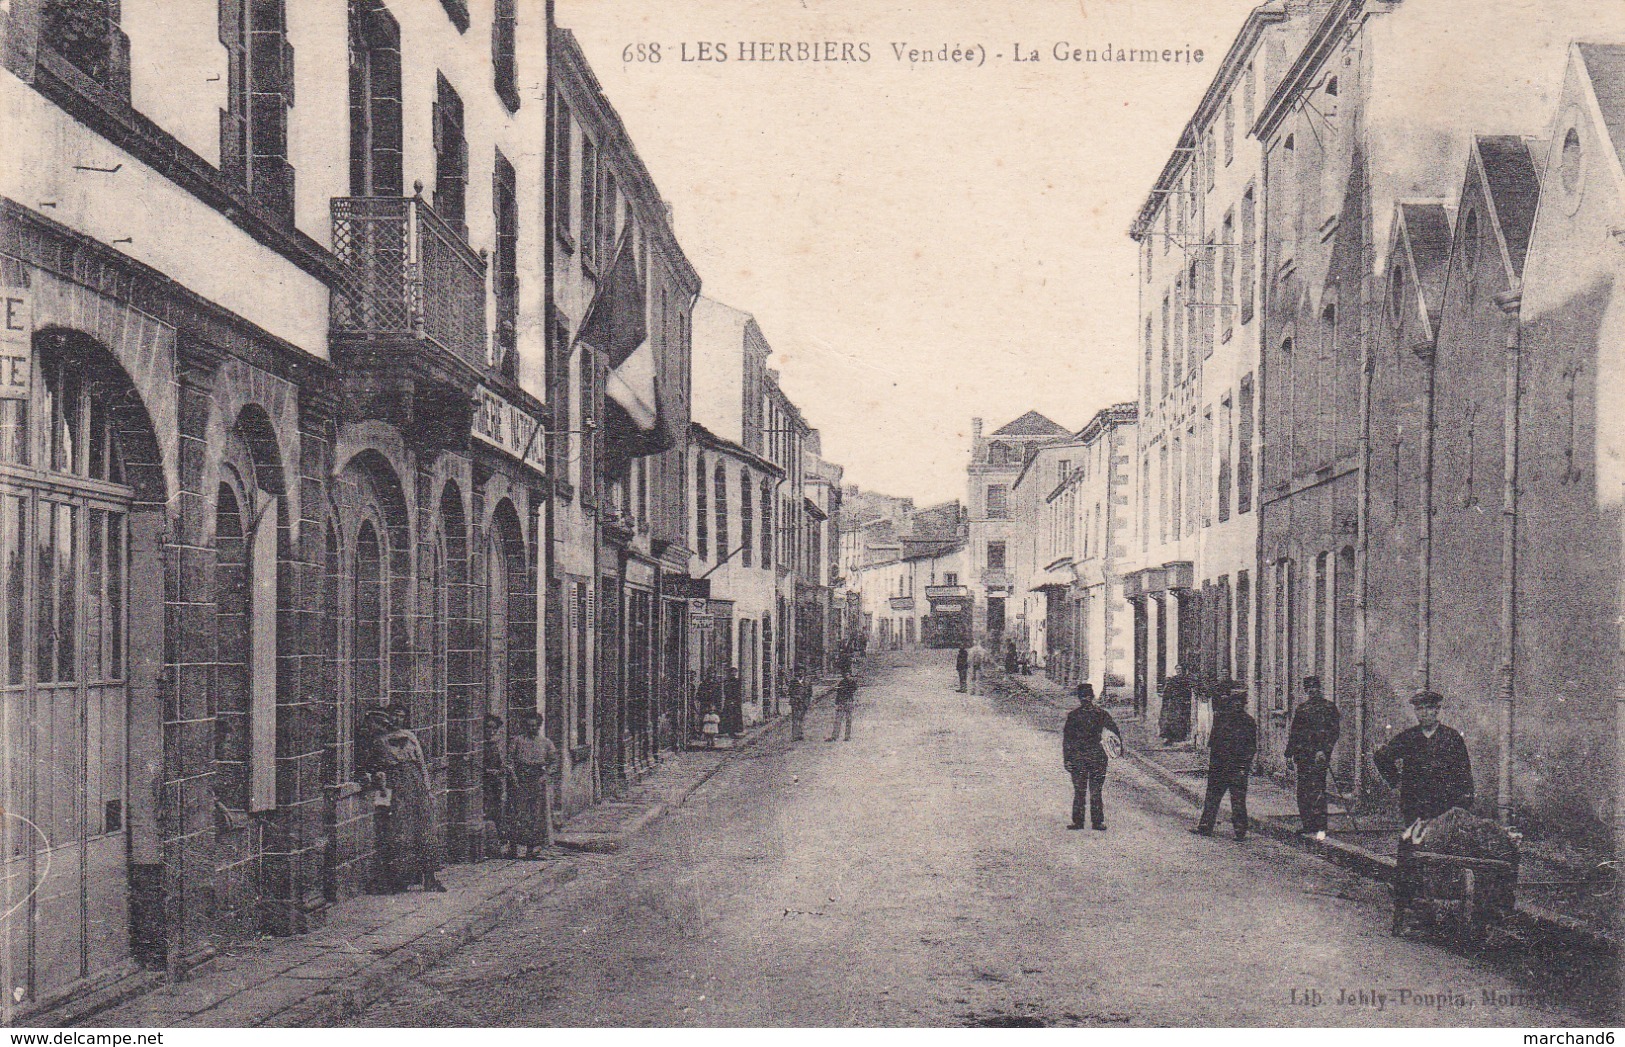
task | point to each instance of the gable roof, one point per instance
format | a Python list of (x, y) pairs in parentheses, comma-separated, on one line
[(1606, 65), (1032, 424), (1424, 233), (1512, 185)]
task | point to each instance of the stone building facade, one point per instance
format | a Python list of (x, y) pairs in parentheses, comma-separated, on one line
[(239, 514)]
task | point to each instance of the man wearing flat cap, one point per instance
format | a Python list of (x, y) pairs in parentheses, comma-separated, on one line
[(1429, 765), (1083, 752)]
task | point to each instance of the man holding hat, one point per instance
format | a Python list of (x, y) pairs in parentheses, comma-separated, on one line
[(1429, 765), (1084, 755)]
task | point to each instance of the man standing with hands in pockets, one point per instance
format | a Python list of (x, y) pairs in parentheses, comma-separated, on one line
[(1315, 726)]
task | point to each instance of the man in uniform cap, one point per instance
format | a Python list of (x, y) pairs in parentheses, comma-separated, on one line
[(1316, 724), (1232, 744), (1083, 753), (1429, 765)]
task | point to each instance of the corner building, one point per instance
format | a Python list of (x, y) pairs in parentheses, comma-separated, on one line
[(269, 461)]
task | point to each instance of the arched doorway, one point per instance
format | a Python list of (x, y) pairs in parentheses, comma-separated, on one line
[(80, 495), (510, 617), (251, 537)]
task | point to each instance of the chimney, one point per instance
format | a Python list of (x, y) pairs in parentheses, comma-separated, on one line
[(976, 430)]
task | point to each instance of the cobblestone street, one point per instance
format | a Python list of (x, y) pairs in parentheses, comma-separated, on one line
[(922, 874)]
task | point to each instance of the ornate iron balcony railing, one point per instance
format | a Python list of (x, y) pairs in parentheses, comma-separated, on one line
[(407, 273)]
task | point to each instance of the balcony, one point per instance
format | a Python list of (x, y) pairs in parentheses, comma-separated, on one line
[(408, 317)]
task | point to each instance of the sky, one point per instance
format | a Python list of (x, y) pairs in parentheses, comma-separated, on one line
[(921, 243)]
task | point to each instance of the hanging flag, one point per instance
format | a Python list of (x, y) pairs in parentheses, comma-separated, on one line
[(616, 320), (636, 421)]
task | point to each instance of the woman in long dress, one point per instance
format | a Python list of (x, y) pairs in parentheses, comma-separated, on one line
[(531, 757), (408, 851)]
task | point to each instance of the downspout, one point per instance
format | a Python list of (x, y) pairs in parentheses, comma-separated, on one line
[(1362, 539), (1510, 303), (1424, 525)]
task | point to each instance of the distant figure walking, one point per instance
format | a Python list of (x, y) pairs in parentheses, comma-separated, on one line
[(733, 705), (1232, 744), (962, 663), (978, 667), (1316, 724), (845, 692), (1177, 691), (1010, 657), (1083, 753), (800, 702)]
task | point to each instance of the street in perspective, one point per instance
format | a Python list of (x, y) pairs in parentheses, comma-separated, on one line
[(548, 513)]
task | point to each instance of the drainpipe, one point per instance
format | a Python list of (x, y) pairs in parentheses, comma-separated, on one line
[(1362, 539), (1619, 726), (1424, 524), (1510, 304)]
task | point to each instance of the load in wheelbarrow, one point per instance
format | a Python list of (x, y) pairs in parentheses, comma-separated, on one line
[(1459, 874)]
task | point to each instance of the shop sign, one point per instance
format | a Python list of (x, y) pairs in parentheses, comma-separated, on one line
[(640, 573), (16, 343), (509, 429)]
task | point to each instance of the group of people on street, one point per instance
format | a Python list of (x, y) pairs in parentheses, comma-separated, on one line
[(518, 786), (1428, 764), (972, 664), (722, 705), (516, 780)]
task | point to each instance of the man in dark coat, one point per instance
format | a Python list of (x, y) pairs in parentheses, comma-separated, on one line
[(1175, 722), (1316, 724), (962, 663), (733, 705), (1429, 765), (1084, 756), (1232, 744)]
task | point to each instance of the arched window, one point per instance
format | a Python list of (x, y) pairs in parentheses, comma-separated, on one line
[(767, 522), (722, 511), (702, 529), (367, 626), (746, 518)]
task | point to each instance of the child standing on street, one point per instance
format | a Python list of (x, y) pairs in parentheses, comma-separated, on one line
[(710, 726)]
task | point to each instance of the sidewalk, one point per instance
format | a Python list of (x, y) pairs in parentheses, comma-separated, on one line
[(371, 942), (1551, 903)]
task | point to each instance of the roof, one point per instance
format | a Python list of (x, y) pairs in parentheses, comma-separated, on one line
[(1512, 184), (937, 522), (718, 443), (1230, 68), (1606, 65), (1427, 230), (1033, 424), (926, 549)]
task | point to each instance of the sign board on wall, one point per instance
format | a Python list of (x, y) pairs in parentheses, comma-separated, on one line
[(16, 343), (509, 429)]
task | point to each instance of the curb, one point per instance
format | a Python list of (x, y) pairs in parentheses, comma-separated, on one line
[(1552, 927), (611, 843), (350, 996), (1533, 920)]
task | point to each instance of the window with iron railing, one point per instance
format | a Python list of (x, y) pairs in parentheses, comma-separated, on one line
[(407, 273)]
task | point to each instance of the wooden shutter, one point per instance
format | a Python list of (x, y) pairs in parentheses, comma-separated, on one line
[(262, 612)]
